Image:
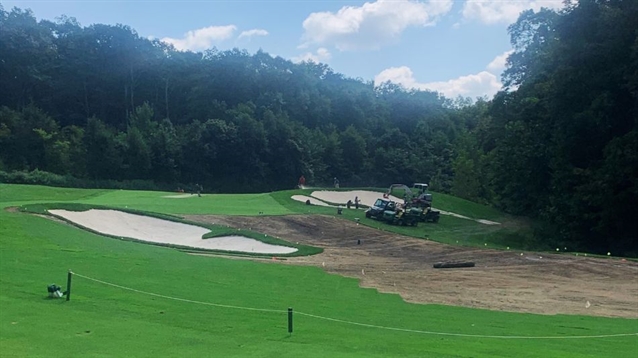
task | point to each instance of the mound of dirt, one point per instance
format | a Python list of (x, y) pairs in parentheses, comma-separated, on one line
[(500, 280)]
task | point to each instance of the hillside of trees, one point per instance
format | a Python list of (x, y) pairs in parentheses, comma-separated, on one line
[(559, 143)]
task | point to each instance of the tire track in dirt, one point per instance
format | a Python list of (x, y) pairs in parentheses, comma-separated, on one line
[(501, 280)]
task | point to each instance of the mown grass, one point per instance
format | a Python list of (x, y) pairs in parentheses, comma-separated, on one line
[(215, 230), (107, 321), (161, 202)]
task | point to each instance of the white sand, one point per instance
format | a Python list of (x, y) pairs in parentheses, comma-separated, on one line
[(180, 196), (341, 197), (487, 222), (369, 197), (145, 228), (313, 201)]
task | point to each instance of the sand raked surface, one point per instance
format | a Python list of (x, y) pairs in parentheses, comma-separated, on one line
[(313, 201), (154, 230), (180, 196), (369, 197)]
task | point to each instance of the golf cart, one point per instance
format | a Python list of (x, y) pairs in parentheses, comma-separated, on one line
[(380, 206)]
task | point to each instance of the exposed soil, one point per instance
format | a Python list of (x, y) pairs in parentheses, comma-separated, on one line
[(501, 280)]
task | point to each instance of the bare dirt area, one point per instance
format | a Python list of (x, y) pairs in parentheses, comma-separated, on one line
[(501, 280)]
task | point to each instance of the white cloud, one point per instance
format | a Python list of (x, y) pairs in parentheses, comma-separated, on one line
[(370, 25), (202, 39), (499, 62), (251, 33), (322, 55), (477, 85), (501, 11), (484, 83)]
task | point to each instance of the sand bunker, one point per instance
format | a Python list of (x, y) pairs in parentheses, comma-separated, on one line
[(366, 197), (144, 228), (179, 196), (313, 201), (369, 197)]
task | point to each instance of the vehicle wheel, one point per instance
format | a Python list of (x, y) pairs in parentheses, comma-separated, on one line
[(368, 215)]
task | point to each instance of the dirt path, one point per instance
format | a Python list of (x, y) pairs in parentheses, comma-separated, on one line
[(501, 280)]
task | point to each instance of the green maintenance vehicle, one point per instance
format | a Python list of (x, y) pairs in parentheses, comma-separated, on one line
[(402, 216), (417, 198)]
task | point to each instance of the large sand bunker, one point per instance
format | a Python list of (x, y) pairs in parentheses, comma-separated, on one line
[(145, 228), (313, 201), (369, 197)]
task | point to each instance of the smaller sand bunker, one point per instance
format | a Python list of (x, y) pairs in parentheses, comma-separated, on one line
[(369, 197), (366, 197), (180, 196), (313, 201), (154, 230)]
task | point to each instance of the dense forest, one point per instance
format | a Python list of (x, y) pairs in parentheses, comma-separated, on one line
[(559, 143)]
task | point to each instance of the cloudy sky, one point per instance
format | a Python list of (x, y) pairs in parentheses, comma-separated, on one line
[(457, 47)]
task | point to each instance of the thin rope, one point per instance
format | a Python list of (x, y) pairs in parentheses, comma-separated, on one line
[(351, 322), (462, 334), (180, 299)]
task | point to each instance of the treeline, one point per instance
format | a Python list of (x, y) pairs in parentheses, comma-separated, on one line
[(100, 102), (559, 143)]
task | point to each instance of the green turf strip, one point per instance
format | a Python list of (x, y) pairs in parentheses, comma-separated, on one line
[(106, 321)]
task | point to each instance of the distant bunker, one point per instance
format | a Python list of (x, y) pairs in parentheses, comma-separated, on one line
[(153, 230)]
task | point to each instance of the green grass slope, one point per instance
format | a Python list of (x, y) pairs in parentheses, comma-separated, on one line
[(514, 233), (104, 321)]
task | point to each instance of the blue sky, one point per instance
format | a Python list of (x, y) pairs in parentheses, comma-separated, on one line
[(457, 47)]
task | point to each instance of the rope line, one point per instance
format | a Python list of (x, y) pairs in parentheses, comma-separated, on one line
[(180, 299), (462, 334), (351, 322)]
